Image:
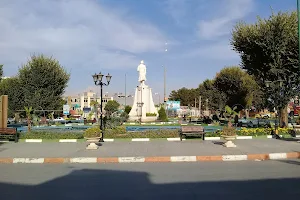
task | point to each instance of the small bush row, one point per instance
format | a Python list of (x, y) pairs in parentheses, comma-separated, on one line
[(51, 135), (120, 132)]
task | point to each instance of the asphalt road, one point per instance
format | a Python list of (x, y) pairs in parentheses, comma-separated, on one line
[(212, 180)]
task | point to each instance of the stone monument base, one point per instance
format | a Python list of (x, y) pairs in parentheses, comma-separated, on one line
[(143, 104), (143, 119)]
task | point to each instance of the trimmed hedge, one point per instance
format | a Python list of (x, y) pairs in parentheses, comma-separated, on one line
[(51, 135), (120, 132)]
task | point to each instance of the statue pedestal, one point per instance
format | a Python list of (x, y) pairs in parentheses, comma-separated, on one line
[(143, 103)]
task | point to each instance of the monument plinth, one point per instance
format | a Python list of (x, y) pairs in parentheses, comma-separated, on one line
[(143, 100)]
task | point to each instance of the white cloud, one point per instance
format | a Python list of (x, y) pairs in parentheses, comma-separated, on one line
[(176, 9), (227, 13), (221, 51), (82, 33)]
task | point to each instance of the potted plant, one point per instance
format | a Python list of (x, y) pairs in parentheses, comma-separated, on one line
[(229, 134), (92, 135)]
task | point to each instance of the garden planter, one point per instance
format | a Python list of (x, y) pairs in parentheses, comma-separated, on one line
[(229, 140)]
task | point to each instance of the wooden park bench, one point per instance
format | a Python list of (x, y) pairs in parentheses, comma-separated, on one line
[(192, 131), (9, 133)]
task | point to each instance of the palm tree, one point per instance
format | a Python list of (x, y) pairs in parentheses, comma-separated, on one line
[(230, 113), (94, 105), (28, 116)]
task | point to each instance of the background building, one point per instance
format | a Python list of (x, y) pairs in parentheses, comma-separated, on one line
[(82, 102)]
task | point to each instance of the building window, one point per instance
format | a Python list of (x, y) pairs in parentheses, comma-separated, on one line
[(75, 100)]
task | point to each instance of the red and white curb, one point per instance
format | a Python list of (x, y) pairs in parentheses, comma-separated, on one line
[(155, 159), (149, 139)]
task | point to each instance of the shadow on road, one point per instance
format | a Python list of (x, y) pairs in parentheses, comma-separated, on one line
[(107, 184), (293, 162)]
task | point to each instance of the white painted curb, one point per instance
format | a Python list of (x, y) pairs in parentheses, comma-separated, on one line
[(277, 156), (68, 140), (175, 139), (109, 140), (29, 160), (68, 125), (131, 159), (183, 158), (297, 136), (244, 137), (269, 136), (81, 124), (140, 140), (234, 157), (83, 160), (33, 140), (183, 124), (212, 138)]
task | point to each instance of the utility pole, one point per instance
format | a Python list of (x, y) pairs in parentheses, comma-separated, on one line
[(125, 91), (165, 96), (298, 14), (165, 87), (200, 106)]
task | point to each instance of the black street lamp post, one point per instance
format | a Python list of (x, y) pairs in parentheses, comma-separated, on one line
[(98, 81)]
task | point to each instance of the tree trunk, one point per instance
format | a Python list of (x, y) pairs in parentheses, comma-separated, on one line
[(29, 124), (283, 117)]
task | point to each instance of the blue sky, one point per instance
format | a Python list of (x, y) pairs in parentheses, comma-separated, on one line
[(112, 36)]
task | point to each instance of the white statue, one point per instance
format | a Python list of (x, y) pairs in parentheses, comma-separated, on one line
[(142, 72)]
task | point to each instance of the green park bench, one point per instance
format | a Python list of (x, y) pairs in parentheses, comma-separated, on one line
[(9, 133), (192, 131)]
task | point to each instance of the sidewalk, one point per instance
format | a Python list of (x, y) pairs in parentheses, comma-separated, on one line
[(146, 149)]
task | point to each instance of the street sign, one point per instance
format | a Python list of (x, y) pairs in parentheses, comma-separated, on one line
[(66, 109)]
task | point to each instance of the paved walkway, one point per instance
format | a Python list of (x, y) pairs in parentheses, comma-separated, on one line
[(150, 149)]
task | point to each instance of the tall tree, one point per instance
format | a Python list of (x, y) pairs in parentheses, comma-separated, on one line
[(185, 96), (216, 99), (12, 88), (111, 107), (1, 72), (269, 51), (43, 81), (238, 86)]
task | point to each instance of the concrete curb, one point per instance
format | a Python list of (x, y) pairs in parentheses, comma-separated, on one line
[(151, 139), (156, 159)]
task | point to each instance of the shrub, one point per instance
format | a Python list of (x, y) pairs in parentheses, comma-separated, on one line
[(229, 131), (112, 122), (92, 132), (162, 115), (127, 109), (120, 133), (262, 131), (151, 114)]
